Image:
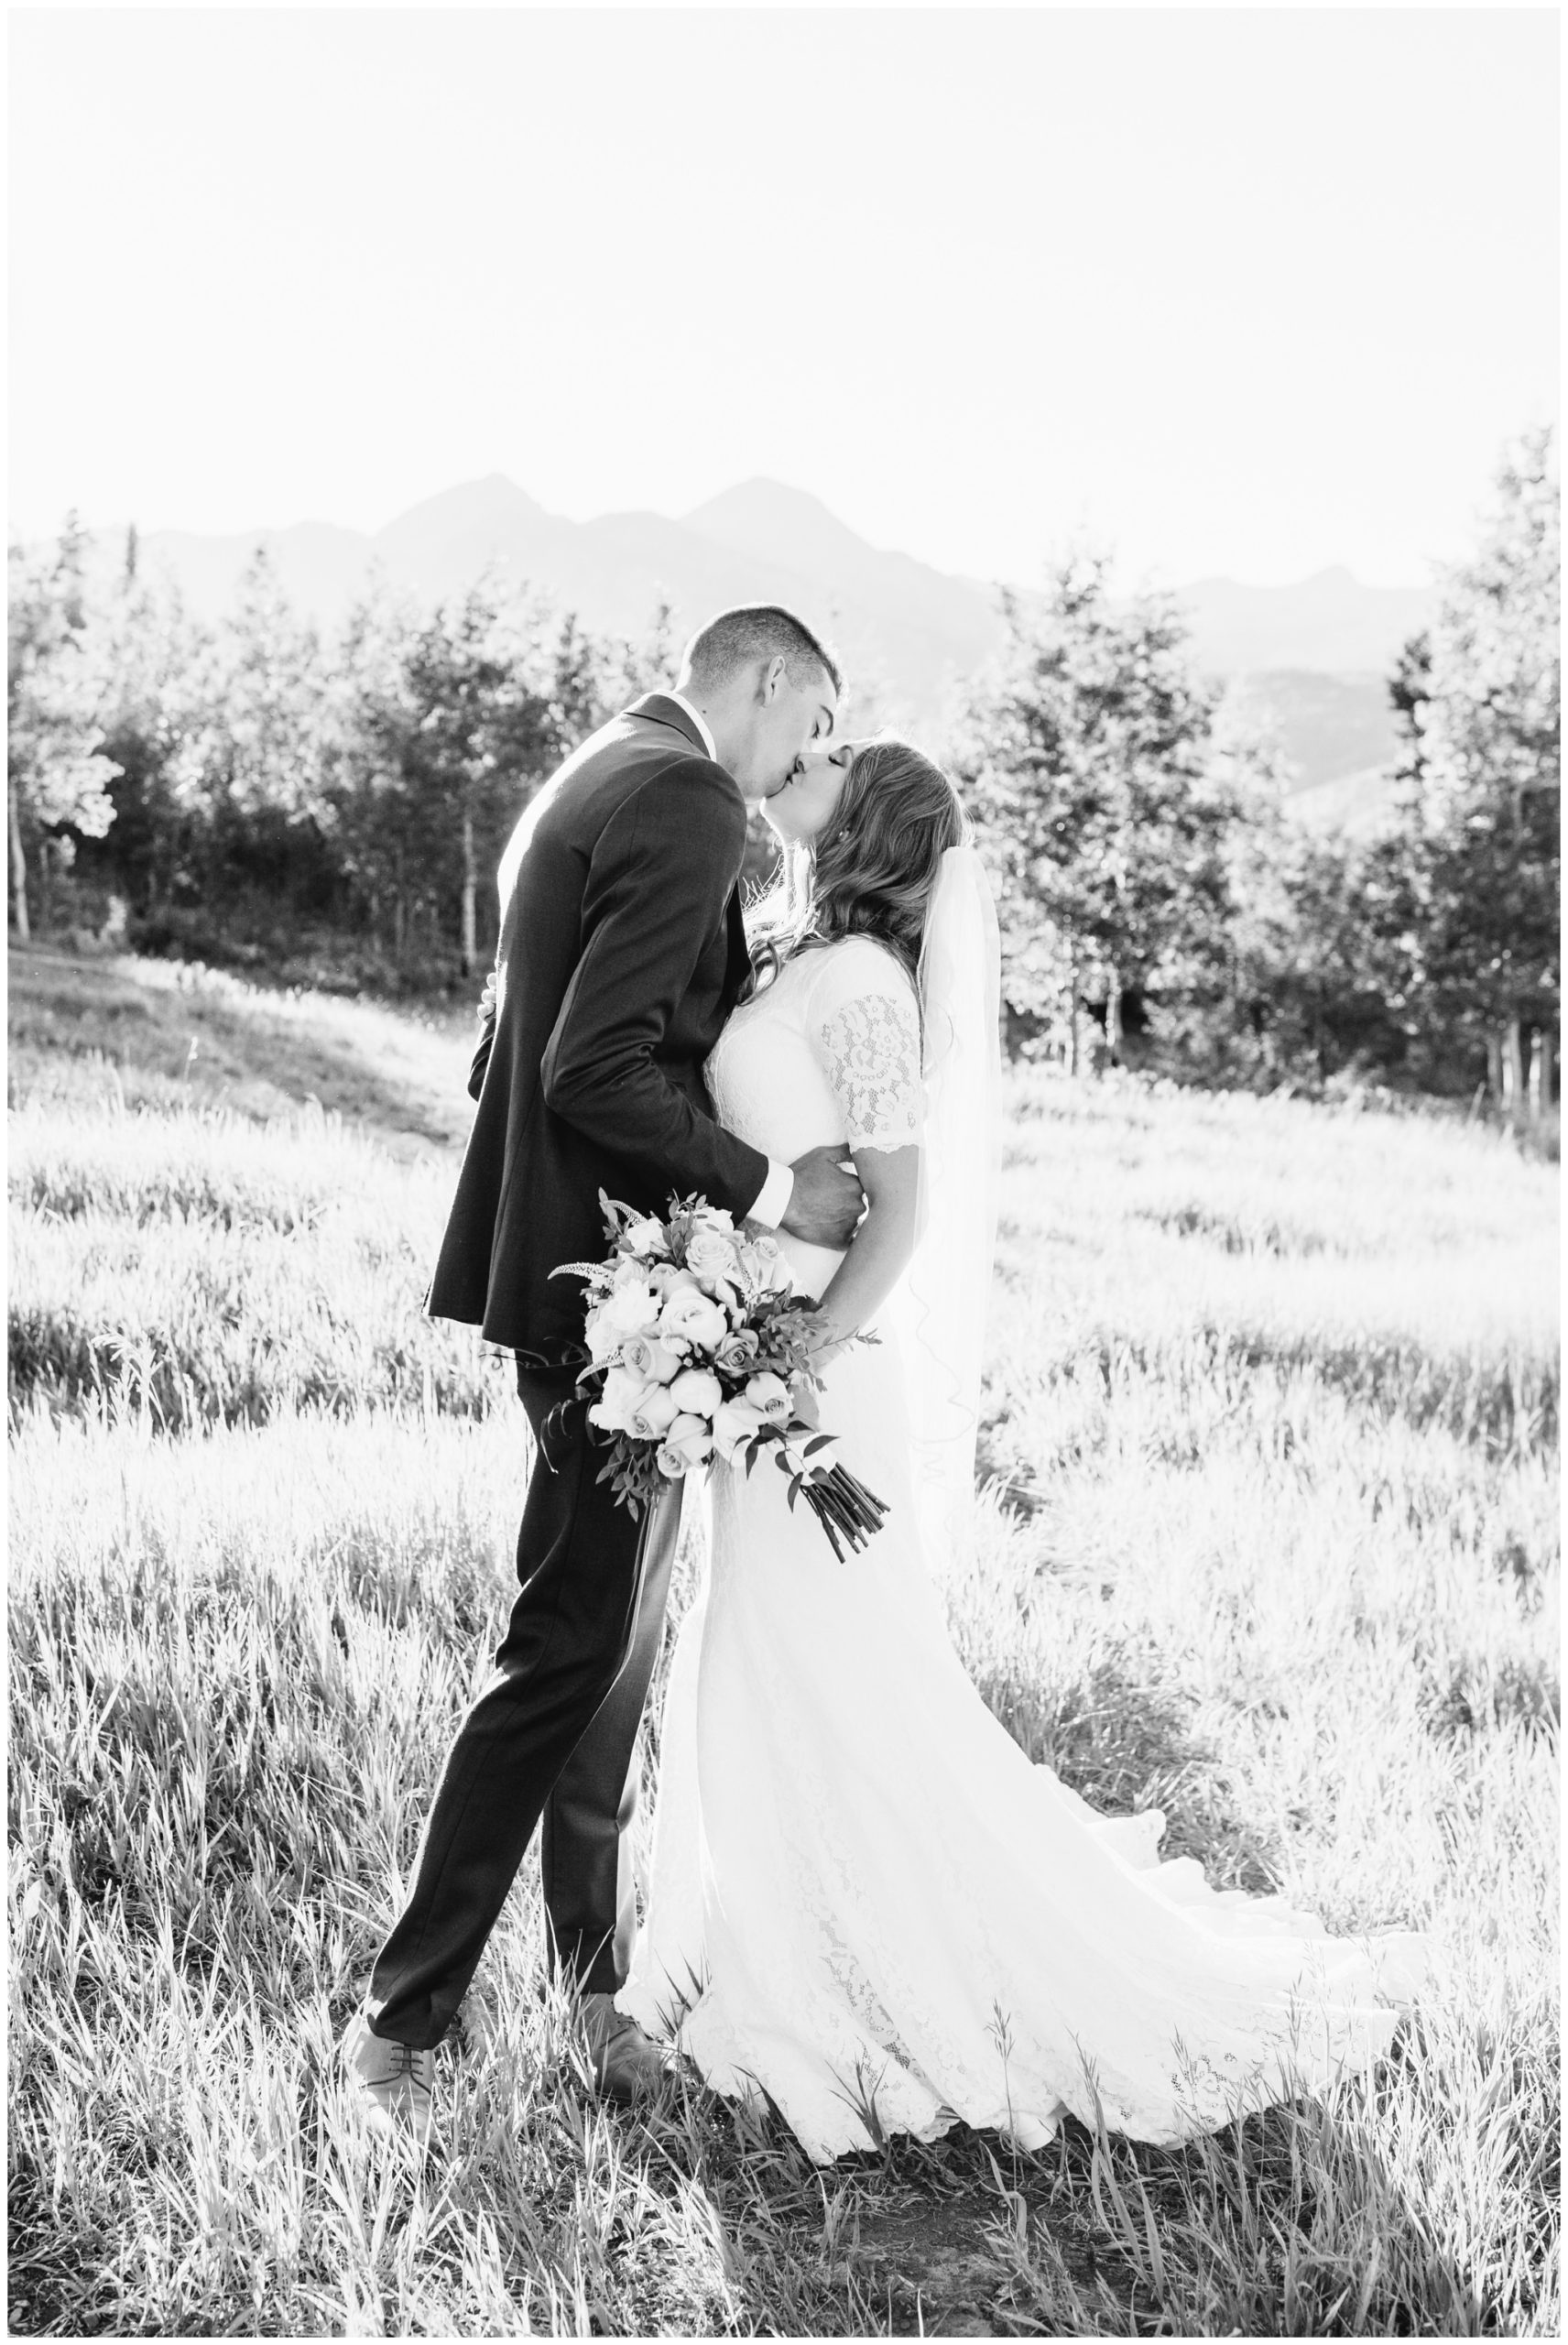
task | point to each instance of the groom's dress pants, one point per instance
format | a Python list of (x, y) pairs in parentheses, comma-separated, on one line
[(553, 1735)]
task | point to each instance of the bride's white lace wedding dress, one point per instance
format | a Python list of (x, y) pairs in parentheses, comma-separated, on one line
[(864, 1894)]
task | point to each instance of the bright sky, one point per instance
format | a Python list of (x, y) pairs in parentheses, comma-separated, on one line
[(1239, 291)]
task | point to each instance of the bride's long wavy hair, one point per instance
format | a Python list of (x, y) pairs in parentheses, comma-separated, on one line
[(870, 872)]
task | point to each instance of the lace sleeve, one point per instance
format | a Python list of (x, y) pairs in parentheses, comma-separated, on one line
[(870, 1032)]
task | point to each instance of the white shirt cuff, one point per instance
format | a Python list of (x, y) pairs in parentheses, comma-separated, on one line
[(773, 1197)]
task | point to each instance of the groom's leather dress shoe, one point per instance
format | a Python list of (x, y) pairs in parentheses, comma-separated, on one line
[(627, 2065), (393, 2081)]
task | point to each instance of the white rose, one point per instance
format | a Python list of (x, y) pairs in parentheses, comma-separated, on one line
[(712, 1260), (681, 1455), (718, 1217), (735, 1423), (654, 1414), (771, 1395), (646, 1237), (763, 1266), (694, 1317), (631, 1309), (621, 1396), (690, 1435), (689, 1441), (654, 1362), (698, 1391)]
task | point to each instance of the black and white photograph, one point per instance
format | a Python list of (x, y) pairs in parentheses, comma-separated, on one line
[(784, 1011)]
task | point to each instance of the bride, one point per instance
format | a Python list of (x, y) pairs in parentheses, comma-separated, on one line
[(867, 1901)]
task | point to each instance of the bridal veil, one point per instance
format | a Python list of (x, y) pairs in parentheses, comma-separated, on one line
[(939, 1309)]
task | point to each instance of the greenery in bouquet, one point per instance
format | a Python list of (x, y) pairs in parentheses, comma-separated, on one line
[(701, 1353)]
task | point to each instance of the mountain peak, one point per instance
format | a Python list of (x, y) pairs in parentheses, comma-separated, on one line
[(790, 524), (758, 496), (493, 502)]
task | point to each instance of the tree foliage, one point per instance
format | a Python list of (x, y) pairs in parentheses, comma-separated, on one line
[(1457, 903), (443, 726), (255, 772), (1482, 833), (1147, 866), (162, 689), (1106, 802), (58, 770)]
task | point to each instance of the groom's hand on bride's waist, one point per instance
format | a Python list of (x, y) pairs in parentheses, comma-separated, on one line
[(827, 1199)]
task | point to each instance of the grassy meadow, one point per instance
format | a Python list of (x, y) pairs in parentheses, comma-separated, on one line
[(1269, 1542)]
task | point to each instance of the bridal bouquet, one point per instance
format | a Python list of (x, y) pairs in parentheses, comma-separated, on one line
[(699, 1350)]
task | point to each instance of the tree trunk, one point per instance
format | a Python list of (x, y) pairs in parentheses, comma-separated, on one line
[(1539, 1084), (1320, 1035), (18, 873), (1494, 1069), (470, 891), (1513, 1073), (1113, 1016)]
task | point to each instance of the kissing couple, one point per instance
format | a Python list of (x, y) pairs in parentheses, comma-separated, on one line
[(866, 1902)]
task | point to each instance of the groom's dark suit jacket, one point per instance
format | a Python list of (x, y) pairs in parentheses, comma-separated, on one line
[(621, 955)]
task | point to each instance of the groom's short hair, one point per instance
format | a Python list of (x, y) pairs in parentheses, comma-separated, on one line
[(755, 631)]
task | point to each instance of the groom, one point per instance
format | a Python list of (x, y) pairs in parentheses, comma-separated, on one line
[(621, 955)]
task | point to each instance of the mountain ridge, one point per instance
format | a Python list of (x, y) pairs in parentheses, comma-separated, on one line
[(909, 633)]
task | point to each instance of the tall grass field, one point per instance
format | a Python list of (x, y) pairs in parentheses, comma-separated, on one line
[(1269, 1540)]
